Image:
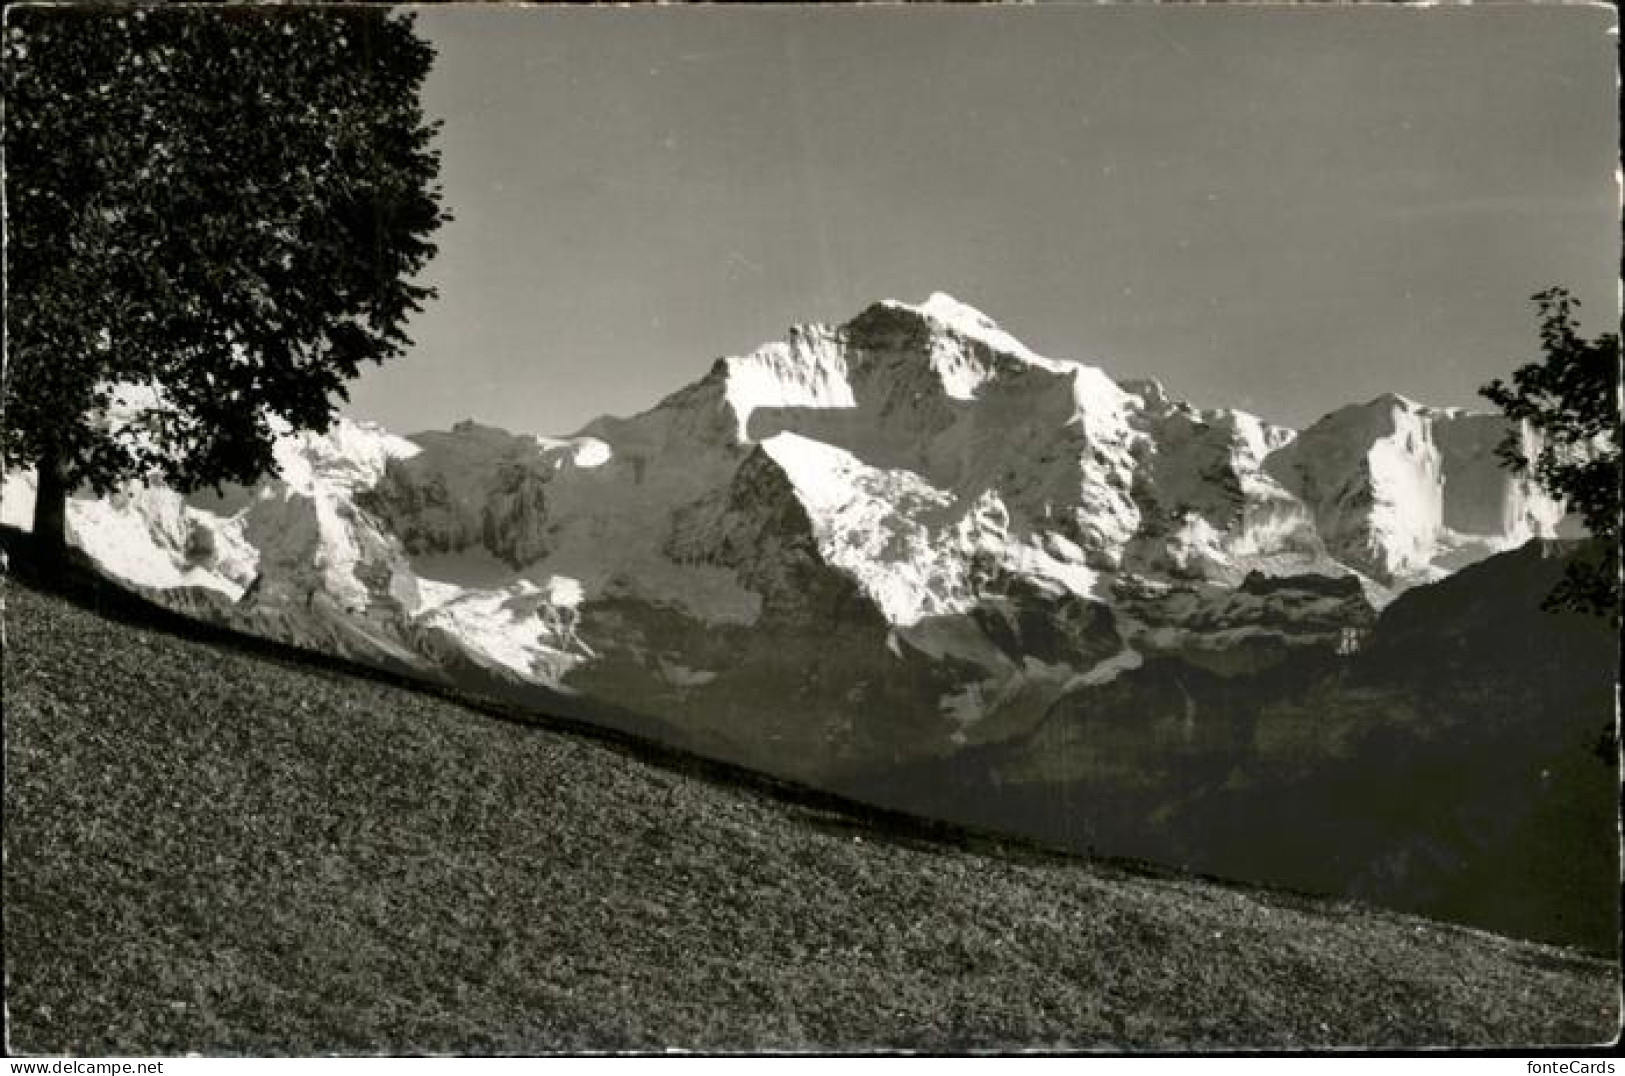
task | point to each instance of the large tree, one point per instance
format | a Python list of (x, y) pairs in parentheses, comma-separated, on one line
[(214, 217), (1571, 399)]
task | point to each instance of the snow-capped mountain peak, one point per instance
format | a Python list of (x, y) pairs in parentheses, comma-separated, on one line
[(875, 539), (965, 320)]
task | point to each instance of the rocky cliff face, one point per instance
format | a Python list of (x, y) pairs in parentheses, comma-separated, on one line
[(887, 540)]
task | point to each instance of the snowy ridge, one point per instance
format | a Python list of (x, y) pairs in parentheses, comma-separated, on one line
[(893, 536), (808, 370), (1400, 489)]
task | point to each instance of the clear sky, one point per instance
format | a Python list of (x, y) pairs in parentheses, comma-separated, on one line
[(1282, 209)]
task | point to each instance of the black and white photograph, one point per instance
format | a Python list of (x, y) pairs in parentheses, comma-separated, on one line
[(810, 529)]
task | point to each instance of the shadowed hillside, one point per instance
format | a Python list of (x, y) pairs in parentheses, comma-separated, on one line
[(214, 850), (1461, 765)]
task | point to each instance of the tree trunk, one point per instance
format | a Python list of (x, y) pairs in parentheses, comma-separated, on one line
[(51, 518)]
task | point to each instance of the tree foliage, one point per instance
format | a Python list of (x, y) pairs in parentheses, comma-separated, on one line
[(1571, 399), (214, 217)]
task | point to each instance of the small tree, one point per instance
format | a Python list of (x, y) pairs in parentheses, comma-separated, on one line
[(214, 216), (1571, 399)]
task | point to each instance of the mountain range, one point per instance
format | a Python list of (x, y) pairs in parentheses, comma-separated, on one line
[(911, 558)]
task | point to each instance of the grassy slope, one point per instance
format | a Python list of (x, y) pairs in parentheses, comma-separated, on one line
[(212, 850)]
